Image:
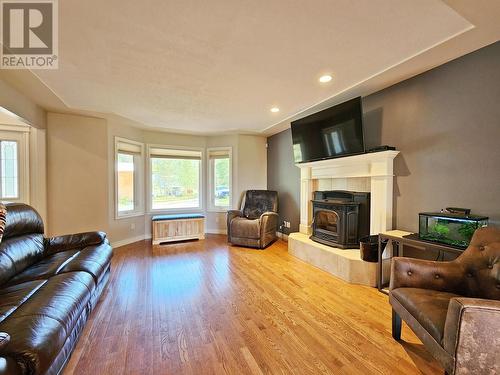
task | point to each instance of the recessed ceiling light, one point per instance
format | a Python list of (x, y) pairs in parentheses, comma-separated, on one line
[(326, 78), (275, 109)]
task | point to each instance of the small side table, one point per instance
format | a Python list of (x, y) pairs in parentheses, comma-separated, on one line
[(399, 239)]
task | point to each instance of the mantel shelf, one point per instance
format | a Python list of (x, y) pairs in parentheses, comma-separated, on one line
[(369, 157)]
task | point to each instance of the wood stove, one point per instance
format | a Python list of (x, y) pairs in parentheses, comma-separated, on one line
[(340, 218)]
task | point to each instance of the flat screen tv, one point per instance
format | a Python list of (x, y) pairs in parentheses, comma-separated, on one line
[(331, 133)]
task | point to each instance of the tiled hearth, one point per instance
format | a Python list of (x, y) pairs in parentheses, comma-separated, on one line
[(372, 172)]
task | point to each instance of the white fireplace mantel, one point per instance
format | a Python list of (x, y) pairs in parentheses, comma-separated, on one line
[(377, 166)]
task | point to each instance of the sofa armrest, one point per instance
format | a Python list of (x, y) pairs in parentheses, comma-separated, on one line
[(425, 274), (472, 335), (268, 222), (73, 241)]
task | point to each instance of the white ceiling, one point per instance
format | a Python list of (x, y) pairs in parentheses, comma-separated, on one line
[(220, 65)]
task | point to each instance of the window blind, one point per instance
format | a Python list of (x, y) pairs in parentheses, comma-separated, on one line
[(130, 148), (156, 152), (218, 154)]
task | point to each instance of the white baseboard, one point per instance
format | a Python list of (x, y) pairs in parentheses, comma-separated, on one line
[(148, 237), (130, 240), (216, 231)]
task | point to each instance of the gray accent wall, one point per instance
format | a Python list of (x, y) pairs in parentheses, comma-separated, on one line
[(445, 122), (284, 177)]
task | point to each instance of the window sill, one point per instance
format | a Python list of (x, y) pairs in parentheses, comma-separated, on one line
[(175, 210), (130, 215)]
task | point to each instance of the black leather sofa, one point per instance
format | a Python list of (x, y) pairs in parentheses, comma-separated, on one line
[(48, 288)]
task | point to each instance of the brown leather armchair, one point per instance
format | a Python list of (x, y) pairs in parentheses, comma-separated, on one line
[(256, 223), (453, 307)]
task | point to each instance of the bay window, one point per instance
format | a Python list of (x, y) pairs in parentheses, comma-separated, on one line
[(219, 177), (129, 161), (175, 179)]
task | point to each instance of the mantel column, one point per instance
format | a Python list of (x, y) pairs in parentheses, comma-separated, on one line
[(306, 190), (382, 186)]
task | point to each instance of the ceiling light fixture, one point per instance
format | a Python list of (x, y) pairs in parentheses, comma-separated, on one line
[(326, 78), (275, 109)]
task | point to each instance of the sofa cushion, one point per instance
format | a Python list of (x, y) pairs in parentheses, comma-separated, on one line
[(47, 267), (428, 307), (13, 296), (18, 253), (44, 321), (92, 259), (245, 228)]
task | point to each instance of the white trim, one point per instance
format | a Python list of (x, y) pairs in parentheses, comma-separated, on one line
[(16, 128), (201, 188), (128, 241), (138, 180), (211, 207), (38, 172)]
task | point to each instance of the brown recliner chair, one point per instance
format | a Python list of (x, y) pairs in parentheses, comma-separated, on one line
[(453, 307), (256, 223)]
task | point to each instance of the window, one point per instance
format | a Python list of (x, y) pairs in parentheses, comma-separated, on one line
[(175, 179), (9, 169), (129, 156), (219, 165), (14, 165)]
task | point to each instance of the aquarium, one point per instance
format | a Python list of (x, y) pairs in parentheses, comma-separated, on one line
[(449, 228)]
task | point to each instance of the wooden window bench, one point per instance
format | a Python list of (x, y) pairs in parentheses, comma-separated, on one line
[(179, 227)]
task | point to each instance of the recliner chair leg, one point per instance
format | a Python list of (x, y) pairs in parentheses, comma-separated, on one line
[(396, 326)]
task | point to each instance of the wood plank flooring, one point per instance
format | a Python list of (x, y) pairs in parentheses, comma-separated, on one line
[(204, 307)]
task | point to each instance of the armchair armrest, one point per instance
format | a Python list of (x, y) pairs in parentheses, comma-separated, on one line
[(231, 214), (73, 241), (472, 334), (268, 222), (425, 274)]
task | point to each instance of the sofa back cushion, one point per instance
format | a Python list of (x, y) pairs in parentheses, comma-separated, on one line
[(259, 201), (22, 242), (22, 219)]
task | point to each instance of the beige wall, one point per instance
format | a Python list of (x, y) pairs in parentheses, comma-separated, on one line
[(81, 174), (77, 174), (22, 106), (252, 163)]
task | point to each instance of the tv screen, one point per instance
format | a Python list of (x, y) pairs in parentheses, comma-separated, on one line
[(334, 132)]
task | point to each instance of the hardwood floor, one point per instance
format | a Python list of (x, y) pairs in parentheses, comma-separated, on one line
[(204, 307)]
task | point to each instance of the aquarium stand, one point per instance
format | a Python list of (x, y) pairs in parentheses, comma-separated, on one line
[(399, 239)]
